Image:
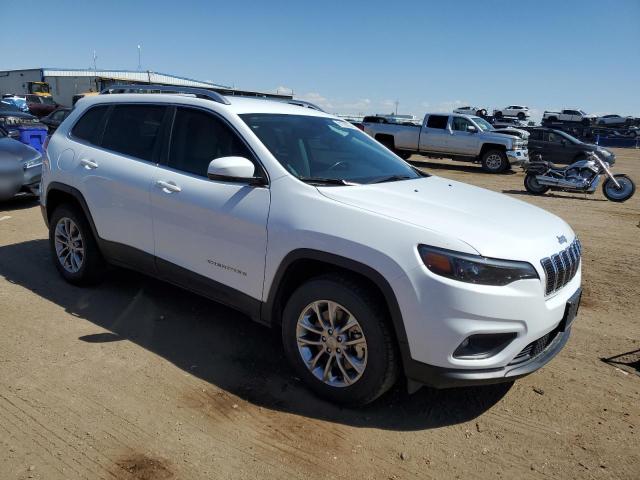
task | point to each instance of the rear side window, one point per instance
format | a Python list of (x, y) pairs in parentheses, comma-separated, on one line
[(437, 121), (87, 128), (133, 130), (199, 137), (535, 135)]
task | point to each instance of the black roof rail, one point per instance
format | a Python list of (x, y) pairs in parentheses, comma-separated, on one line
[(301, 103), (196, 92)]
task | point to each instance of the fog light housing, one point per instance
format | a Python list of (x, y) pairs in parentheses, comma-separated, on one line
[(483, 345)]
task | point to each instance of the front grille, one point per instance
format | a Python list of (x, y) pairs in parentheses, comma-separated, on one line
[(560, 268), (535, 348)]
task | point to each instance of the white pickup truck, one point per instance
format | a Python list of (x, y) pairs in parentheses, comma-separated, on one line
[(455, 136), (577, 116)]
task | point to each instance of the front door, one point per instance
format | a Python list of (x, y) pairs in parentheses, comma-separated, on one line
[(462, 141), (214, 229)]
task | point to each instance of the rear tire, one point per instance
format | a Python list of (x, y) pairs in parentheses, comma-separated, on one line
[(622, 194), (494, 161), (75, 251), (403, 154), (498, 114), (533, 186), (363, 362), (520, 115)]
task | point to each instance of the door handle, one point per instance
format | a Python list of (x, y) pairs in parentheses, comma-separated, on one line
[(168, 187), (88, 164)]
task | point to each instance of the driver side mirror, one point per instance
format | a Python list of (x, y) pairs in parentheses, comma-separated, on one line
[(472, 129), (234, 169)]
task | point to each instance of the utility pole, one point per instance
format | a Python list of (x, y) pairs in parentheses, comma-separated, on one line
[(139, 57), (396, 103)]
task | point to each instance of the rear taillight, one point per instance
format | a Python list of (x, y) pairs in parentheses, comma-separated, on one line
[(46, 143)]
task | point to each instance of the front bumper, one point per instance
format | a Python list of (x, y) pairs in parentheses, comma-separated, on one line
[(440, 377), (518, 157)]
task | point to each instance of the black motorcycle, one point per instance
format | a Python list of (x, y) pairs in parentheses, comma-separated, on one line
[(582, 176)]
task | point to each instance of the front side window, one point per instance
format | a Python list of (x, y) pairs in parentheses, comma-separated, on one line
[(312, 147), (460, 124), (133, 130), (87, 128), (198, 137), (437, 121)]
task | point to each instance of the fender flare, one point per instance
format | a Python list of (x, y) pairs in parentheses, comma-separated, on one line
[(268, 307)]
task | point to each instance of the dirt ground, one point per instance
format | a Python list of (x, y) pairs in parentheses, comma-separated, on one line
[(135, 379)]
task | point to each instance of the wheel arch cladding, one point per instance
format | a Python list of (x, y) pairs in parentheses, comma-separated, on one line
[(303, 264), (59, 194)]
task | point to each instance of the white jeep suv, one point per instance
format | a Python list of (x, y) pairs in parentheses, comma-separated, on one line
[(372, 269)]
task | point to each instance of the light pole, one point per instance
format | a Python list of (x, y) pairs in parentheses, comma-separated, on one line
[(139, 57)]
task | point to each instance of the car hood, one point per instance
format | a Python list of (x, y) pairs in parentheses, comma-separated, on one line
[(493, 224), (12, 151)]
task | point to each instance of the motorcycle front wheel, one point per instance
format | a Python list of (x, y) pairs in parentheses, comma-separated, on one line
[(533, 186), (622, 194)]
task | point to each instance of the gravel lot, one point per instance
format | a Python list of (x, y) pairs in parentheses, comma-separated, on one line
[(135, 379)]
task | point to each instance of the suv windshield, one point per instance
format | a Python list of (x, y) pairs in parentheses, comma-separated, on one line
[(326, 149), (482, 124)]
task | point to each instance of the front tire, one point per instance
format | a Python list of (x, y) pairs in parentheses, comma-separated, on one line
[(336, 336), (533, 186), (622, 194), (75, 251), (520, 115), (494, 161)]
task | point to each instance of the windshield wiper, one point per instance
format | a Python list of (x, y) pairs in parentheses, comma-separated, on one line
[(327, 181), (392, 178)]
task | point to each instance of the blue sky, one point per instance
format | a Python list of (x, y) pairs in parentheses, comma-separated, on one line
[(355, 57)]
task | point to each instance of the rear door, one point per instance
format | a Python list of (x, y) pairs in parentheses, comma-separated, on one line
[(115, 169), (434, 135), (536, 144), (556, 148)]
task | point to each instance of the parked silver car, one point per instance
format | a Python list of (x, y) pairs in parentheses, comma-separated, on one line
[(20, 167)]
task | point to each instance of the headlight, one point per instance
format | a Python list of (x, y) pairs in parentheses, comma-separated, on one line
[(32, 163), (474, 268), (605, 153)]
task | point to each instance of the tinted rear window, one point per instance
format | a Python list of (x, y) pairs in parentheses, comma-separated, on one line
[(133, 130), (437, 121), (87, 127)]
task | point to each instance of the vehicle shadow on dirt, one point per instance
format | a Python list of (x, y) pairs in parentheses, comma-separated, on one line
[(223, 347), (584, 197), (464, 167), (19, 202)]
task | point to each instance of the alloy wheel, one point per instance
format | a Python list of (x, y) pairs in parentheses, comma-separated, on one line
[(494, 161), (331, 343), (69, 245)]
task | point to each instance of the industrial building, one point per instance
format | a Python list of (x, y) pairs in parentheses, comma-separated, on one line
[(63, 84)]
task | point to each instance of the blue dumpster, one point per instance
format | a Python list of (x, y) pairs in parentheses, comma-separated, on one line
[(33, 136)]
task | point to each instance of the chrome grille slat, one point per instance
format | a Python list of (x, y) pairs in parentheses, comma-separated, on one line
[(561, 267)]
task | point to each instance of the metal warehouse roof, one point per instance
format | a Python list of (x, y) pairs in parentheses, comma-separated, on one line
[(132, 76)]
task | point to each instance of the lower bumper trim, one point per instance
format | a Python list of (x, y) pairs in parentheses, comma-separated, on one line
[(440, 377)]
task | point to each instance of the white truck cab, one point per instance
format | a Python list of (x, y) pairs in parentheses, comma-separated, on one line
[(372, 269)]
